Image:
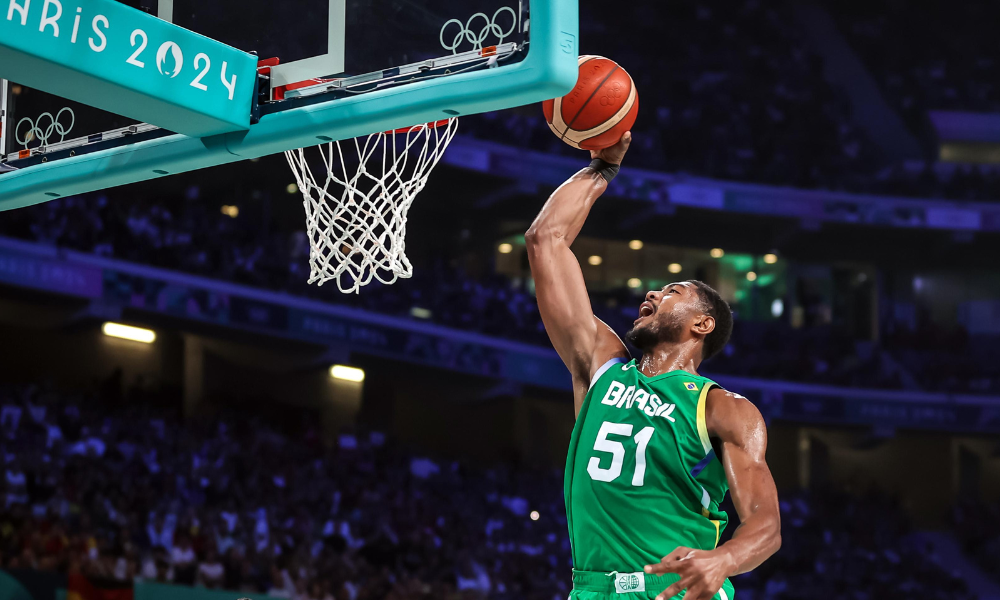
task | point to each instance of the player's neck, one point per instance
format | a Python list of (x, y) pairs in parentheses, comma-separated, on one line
[(664, 358)]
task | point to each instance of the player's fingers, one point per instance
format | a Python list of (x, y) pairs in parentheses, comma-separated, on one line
[(622, 146), (672, 591), (678, 553), (672, 562), (664, 567), (695, 592), (667, 566)]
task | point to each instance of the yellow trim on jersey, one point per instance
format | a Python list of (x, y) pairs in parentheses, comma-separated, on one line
[(718, 531), (702, 426)]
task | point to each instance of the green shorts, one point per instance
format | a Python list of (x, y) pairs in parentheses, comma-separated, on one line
[(591, 585)]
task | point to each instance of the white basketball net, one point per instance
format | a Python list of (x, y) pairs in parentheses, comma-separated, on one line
[(356, 219)]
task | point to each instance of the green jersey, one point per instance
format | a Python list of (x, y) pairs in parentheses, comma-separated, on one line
[(641, 475)]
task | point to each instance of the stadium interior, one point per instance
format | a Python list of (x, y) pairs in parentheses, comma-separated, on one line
[(832, 168)]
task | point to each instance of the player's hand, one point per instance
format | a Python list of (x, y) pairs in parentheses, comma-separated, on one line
[(616, 153), (702, 572)]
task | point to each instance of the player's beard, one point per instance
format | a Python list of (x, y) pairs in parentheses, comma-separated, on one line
[(648, 336)]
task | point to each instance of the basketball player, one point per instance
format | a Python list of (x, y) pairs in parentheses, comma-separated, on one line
[(656, 446)]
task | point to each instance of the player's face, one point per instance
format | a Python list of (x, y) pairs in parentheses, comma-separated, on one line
[(664, 315), (671, 299)]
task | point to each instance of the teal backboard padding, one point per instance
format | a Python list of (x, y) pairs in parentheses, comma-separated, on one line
[(549, 70), (12, 589), (120, 59), (147, 590)]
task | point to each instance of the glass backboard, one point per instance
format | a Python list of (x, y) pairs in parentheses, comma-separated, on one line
[(343, 68), (312, 40)]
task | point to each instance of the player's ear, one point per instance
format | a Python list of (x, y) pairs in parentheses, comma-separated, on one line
[(704, 325)]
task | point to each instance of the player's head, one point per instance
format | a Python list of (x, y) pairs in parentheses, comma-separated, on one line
[(680, 312)]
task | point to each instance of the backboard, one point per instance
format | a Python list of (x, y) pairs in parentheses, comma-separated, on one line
[(404, 62), (239, 79), (327, 48)]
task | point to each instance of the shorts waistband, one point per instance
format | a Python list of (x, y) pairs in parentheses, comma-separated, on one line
[(596, 581)]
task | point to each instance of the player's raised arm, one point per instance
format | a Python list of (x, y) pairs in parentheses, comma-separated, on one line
[(583, 342)]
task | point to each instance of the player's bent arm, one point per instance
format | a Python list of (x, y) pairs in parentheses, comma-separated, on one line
[(739, 429), (740, 437)]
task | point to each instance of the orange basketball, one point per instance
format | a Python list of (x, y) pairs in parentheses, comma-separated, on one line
[(599, 110)]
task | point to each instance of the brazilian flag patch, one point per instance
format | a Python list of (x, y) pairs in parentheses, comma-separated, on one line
[(692, 387)]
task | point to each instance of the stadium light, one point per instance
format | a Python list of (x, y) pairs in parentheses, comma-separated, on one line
[(420, 312), (717, 252), (127, 332), (751, 276), (634, 282), (347, 373), (770, 258), (231, 210), (675, 267), (635, 244), (595, 260), (534, 515), (292, 188), (505, 248)]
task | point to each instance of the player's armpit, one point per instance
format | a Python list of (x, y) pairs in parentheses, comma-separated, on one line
[(607, 346), (740, 437)]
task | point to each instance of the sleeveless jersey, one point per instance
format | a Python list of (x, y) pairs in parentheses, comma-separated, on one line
[(641, 475)]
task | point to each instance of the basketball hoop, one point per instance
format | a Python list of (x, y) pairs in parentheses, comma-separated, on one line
[(356, 219)]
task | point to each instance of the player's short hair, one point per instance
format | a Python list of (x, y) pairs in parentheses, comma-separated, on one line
[(717, 308)]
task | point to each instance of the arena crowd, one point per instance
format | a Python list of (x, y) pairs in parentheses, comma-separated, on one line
[(122, 494)]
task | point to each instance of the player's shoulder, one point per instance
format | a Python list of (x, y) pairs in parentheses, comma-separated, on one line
[(726, 410), (719, 394)]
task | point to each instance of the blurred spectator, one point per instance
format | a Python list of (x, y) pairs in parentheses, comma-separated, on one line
[(184, 561)]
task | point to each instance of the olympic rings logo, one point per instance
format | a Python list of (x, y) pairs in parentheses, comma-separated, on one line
[(467, 33), (35, 132)]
